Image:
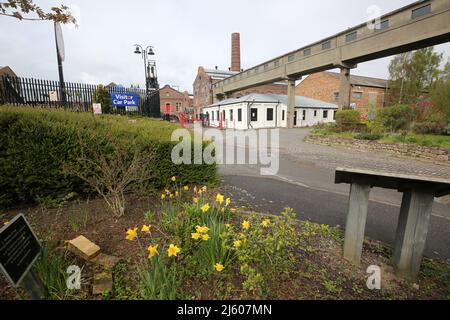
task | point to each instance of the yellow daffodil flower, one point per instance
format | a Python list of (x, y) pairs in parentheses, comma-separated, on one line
[(195, 200), (219, 267), (245, 225), (174, 179), (195, 235), (205, 237), (186, 188), (173, 250), (205, 208), (167, 191), (204, 189), (228, 226), (265, 223), (145, 228), (219, 198), (171, 196), (131, 234), (203, 229), (237, 243), (227, 202), (163, 196), (152, 251)]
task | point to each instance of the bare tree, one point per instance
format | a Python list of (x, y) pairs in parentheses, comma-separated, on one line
[(113, 174)]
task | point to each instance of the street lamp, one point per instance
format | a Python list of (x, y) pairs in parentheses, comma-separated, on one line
[(148, 51)]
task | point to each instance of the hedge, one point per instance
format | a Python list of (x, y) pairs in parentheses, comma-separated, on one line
[(36, 143)]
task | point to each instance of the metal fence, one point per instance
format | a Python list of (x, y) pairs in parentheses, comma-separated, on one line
[(71, 96)]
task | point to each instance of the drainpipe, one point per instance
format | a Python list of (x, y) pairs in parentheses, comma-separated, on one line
[(276, 115), (249, 114)]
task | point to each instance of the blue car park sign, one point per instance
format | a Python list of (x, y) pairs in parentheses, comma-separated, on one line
[(129, 101)]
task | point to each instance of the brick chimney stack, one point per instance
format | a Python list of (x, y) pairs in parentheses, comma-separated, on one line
[(235, 52)]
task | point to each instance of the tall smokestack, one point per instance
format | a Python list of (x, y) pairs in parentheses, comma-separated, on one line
[(235, 52)]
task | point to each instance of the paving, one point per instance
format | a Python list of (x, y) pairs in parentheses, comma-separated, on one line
[(305, 181)]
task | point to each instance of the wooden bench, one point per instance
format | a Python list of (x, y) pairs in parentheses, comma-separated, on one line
[(418, 196)]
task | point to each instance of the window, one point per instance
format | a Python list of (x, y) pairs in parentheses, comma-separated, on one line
[(325, 114), (307, 52), (212, 116), (270, 114), (277, 63), (315, 113), (336, 96), (217, 115), (383, 25), (223, 115), (351, 36), (291, 58), (282, 115), (326, 45), (357, 94), (231, 115), (239, 115), (253, 114), (416, 13), (304, 115), (334, 115)]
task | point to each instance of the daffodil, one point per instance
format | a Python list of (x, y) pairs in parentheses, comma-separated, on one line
[(145, 228), (233, 210), (204, 189), (227, 202), (195, 200), (171, 196), (205, 237), (176, 194), (174, 178), (219, 198), (163, 196), (237, 243), (205, 208), (196, 235), (219, 267), (131, 234), (245, 225), (186, 188), (228, 226), (173, 250), (167, 191), (265, 223), (152, 251), (203, 229)]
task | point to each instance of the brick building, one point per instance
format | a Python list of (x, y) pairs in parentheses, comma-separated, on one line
[(206, 78), (366, 94), (174, 101)]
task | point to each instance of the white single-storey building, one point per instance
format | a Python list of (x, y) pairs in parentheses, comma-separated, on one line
[(256, 111)]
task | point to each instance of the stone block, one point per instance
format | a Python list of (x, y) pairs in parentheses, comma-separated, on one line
[(103, 282), (105, 260), (83, 247)]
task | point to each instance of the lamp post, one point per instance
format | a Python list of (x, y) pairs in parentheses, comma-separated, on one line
[(145, 53)]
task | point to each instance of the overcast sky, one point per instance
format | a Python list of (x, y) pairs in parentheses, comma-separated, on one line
[(185, 33)]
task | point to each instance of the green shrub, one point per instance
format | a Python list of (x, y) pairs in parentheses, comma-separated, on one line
[(35, 144), (395, 118), (101, 96), (368, 136), (347, 120), (429, 128)]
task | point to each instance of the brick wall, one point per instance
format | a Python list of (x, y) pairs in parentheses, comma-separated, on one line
[(175, 98), (323, 86)]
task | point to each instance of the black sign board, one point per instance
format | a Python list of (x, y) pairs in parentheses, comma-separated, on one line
[(19, 249)]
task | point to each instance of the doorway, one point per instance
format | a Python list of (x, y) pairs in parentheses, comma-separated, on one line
[(295, 118), (167, 107)]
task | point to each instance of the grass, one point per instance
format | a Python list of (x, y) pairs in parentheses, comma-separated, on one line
[(427, 140)]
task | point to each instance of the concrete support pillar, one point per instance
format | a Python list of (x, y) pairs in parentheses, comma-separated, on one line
[(356, 222), (345, 87), (291, 103), (411, 233)]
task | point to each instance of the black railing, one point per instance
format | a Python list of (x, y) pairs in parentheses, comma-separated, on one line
[(47, 93)]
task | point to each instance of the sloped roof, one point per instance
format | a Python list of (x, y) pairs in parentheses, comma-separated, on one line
[(220, 74), (364, 81), (300, 101)]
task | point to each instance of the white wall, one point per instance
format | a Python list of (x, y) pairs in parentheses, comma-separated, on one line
[(262, 121)]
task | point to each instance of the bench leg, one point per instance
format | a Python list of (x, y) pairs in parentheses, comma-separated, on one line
[(411, 233), (356, 222)]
